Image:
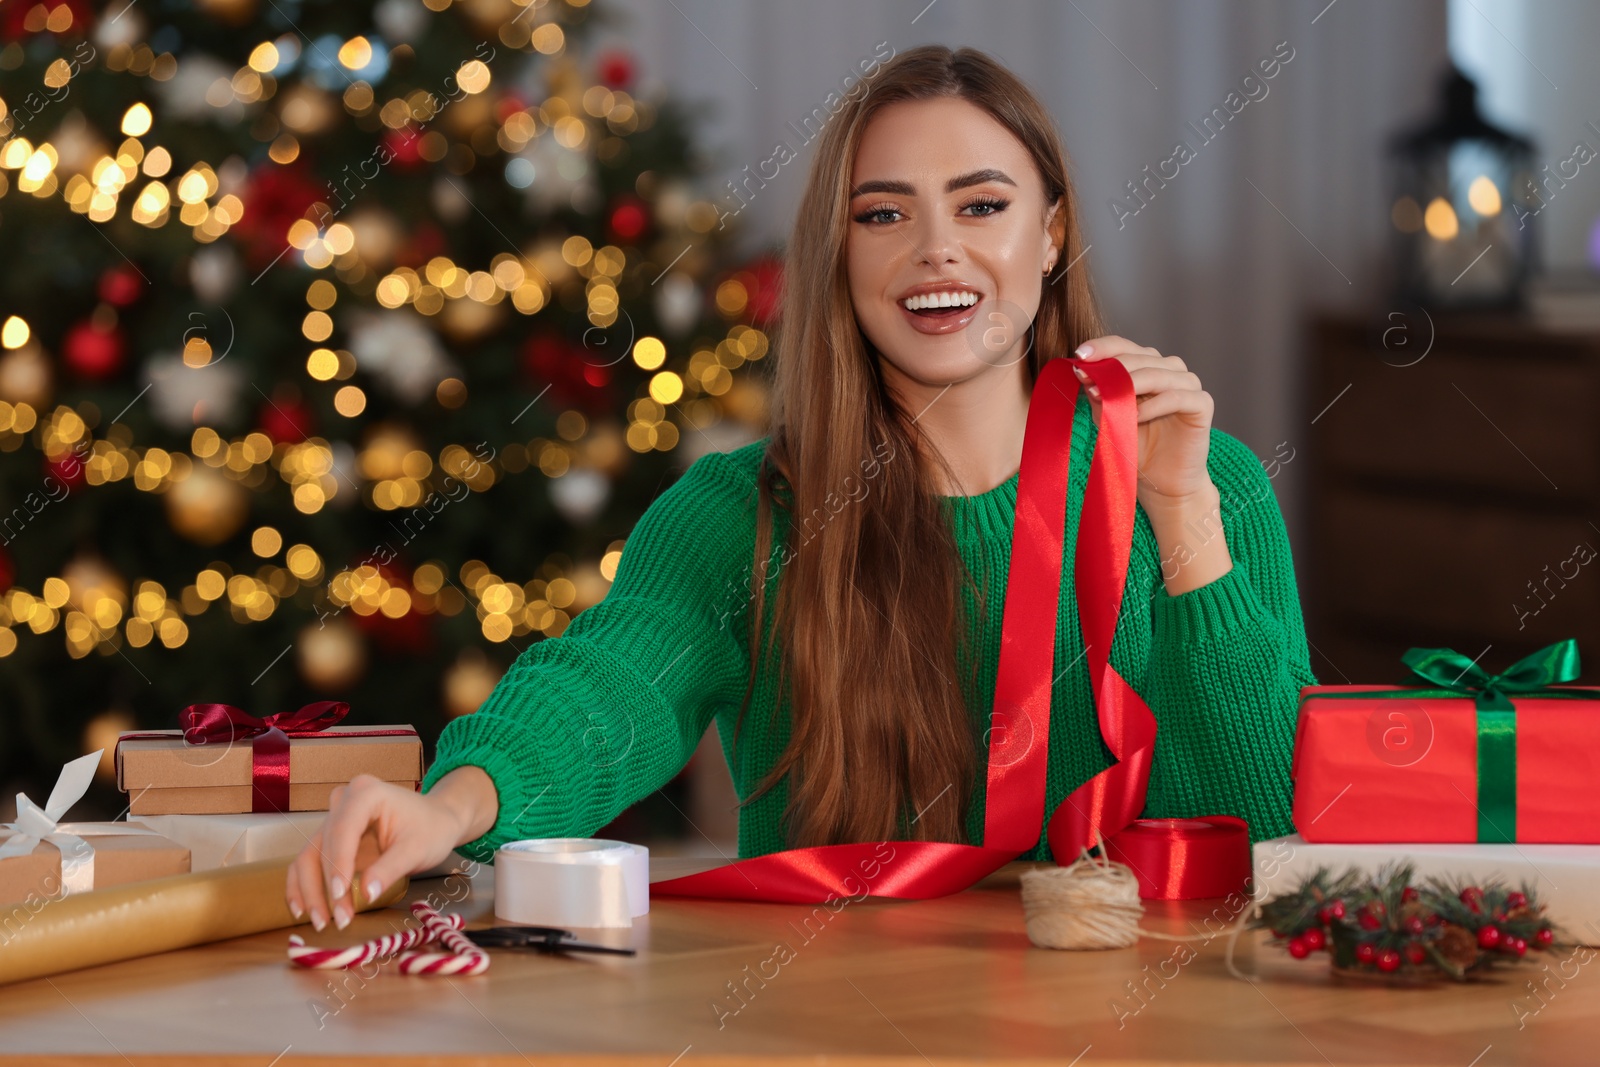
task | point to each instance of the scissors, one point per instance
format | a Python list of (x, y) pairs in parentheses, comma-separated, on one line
[(547, 939)]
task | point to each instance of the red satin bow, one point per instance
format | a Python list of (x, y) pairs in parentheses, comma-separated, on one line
[(1173, 858)]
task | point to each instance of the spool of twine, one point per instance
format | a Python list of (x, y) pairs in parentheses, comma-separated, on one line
[(1087, 904)]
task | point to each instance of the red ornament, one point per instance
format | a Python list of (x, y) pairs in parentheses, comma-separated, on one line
[(630, 217), (275, 198), (121, 286), (410, 634), (1369, 921), (1488, 936), (423, 243), (576, 376), (94, 352), (1408, 894), (69, 469), (1516, 900), (615, 68), (1544, 938), (1415, 953), (1414, 925), (285, 417), (1365, 952), (1315, 939), (1472, 897), (1298, 948), (763, 286), (21, 18), (405, 145), (1388, 960), (1331, 913)]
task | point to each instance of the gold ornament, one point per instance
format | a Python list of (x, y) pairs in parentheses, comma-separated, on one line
[(606, 448), (229, 12), (206, 507), (468, 683), (25, 377), (466, 320), (384, 452), (331, 653), (101, 733)]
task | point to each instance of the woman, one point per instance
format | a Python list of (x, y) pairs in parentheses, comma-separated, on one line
[(871, 532)]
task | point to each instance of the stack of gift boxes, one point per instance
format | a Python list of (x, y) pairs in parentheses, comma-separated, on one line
[(1469, 777), (225, 788)]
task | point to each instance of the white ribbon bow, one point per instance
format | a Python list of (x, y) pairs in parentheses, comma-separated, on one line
[(35, 824)]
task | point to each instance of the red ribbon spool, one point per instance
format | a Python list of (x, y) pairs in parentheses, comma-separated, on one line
[(1172, 858)]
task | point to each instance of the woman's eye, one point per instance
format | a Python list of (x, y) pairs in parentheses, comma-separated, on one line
[(994, 207), (872, 215)]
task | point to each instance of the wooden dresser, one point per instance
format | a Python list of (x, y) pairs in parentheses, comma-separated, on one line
[(1455, 491)]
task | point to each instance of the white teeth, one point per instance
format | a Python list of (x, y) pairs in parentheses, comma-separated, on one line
[(945, 299)]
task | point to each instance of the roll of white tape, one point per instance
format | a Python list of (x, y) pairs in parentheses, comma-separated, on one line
[(571, 881)]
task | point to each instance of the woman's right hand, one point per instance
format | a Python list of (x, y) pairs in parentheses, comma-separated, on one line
[(377, 832)]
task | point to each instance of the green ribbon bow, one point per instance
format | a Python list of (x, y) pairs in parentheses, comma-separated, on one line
[(1454, 675)]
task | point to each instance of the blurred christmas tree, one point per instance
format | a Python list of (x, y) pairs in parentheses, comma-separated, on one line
[(343, 343)]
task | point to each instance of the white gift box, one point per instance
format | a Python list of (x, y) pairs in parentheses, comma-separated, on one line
[(1566, 878), (228, 840)]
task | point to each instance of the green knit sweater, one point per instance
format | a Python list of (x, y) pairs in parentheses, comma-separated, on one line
[(585, 724)]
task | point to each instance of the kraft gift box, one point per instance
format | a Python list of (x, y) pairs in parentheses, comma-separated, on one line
[(118, 860), (166, 776)]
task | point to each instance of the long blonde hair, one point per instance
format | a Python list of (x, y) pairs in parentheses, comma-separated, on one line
[(868, 607)]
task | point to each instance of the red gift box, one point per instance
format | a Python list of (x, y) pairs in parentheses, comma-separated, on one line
[(1473, 757)]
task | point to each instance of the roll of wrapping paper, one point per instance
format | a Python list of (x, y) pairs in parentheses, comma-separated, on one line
[(144, 918)]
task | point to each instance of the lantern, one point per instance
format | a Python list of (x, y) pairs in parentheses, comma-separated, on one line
[(1464, 205)]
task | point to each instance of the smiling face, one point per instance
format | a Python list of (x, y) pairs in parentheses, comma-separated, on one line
[(947, 209)]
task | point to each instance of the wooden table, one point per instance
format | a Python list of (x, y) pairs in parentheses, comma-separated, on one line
[(951, 980)]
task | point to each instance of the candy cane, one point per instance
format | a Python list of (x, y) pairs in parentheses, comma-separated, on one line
[(367, 951), (463, 958)]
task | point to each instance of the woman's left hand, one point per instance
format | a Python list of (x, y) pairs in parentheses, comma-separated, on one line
[(1174, 422)]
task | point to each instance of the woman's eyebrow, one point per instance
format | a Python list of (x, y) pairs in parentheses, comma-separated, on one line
[(905, 188)]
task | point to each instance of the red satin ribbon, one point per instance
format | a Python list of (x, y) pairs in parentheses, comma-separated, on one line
[(210, 724), (1173, 858)]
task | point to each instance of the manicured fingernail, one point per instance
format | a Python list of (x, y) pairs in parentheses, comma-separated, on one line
[(336, 887), (1083, 351), (341, 916), (372, 890), (317, 920), (297, 911), (1079, 371)]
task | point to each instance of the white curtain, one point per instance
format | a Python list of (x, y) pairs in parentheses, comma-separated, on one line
[(1284, 210)]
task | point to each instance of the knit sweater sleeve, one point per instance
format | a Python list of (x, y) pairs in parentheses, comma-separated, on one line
[(1227, 661), (584, 724)]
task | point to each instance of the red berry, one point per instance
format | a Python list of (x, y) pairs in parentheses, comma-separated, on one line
[(1515, 945), (1365, 953), (1415, 953), (1414, 925), (1488, 936), (1408, 894), (1298, 948), (1388, 960), (1315, 939), (1544, 938), (1370, 921), (1331, 913), (1516, 900), (1472, 897)]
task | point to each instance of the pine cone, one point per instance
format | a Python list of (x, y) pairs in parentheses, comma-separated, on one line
[(1458, 945)]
